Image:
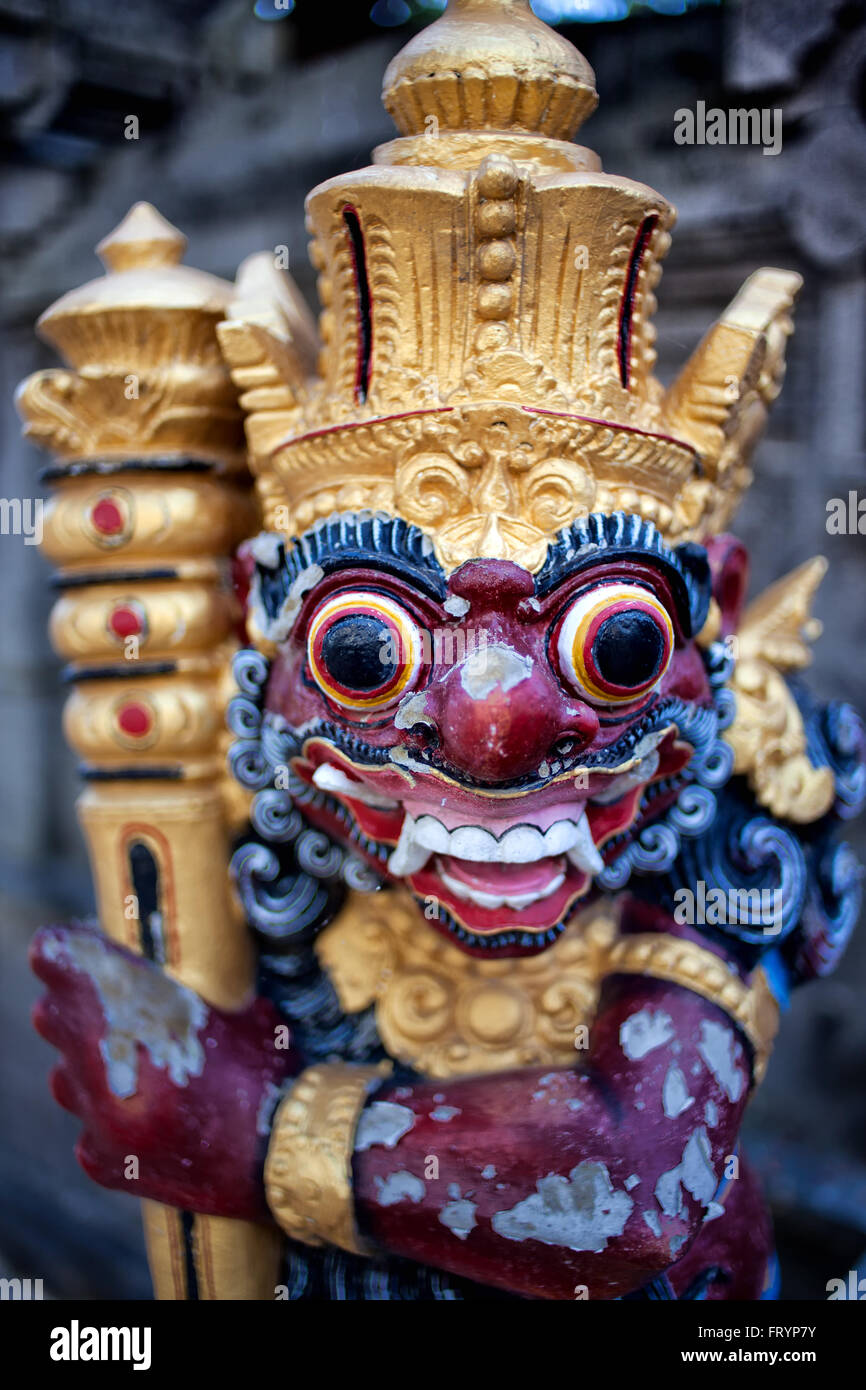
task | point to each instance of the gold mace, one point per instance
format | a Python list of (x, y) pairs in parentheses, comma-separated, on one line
[(150, 495)]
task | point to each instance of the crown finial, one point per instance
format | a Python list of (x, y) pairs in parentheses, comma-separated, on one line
[(144, 373), (490, 65), (144, 238)]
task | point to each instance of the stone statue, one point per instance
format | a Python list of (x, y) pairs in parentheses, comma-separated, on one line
[(447, 968)]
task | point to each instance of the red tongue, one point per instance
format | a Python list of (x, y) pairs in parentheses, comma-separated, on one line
[(519, 878)]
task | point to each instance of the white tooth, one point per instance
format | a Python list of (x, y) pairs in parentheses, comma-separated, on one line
[(583, 853), (522, 845), (330, 779), (624, 782), (559, 837), (473, 842), (431, 833), (409, 856)]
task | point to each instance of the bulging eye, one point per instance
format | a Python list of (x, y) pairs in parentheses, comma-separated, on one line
[(615, 643), (363, 649)]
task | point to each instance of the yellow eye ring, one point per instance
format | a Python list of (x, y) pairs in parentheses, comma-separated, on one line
[(615, 643), (363, 649)]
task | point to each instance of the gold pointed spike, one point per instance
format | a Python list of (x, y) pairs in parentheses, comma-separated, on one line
[(768, 735), (778, 625), (143, 238), (721, 398), (269, 298), (147, 378), (270, 344)]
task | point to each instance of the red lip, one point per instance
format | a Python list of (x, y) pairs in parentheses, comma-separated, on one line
[(455, 884)]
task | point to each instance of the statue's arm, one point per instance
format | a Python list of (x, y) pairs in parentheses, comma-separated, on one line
[(537, 1181)]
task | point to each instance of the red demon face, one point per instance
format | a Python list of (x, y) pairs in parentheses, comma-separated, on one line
[(492, 743)]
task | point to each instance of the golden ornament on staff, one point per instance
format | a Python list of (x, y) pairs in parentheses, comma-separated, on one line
[(150, 497)]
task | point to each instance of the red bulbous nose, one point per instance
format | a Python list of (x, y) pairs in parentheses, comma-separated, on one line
[(500, 714)]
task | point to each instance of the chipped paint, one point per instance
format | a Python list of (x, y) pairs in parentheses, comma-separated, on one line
[(720, 1052), (412, 710), (580, 1212), (278, 628), (644, 1031), (383, 1123), (711, 1113), (401, 1186), (653, 1222), (694, 1172), (675, 1093), (457, 606), (697, 1171), (492, 666), (488, 1172), (459, 1216), (265, 548), (142, 1007), (631, 1182), (267, 1105), (444, 1113), (668, 1192)]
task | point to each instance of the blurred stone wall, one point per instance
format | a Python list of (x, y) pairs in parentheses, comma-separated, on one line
[(236, 122)]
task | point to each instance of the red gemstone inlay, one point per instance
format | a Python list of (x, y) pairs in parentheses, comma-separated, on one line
[(125, 622), (134, 719), (107, 517)]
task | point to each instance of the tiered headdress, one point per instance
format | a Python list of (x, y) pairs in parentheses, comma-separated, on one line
[(486, 369)]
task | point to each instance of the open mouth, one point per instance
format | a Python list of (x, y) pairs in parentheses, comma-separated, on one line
[(504, 868)]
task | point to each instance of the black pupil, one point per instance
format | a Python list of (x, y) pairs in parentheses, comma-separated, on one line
[(628, 649), (356, 651)]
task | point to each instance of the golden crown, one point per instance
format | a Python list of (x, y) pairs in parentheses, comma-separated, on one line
[(486, 368)]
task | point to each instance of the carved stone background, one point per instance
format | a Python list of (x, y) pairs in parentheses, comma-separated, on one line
[(237, 120)]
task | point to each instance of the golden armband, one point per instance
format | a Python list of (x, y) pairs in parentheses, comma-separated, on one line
[(308, 1170)]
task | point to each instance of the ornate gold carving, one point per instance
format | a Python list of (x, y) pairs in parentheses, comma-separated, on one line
[(308, 1171), (767, 735), (463, 149), (160, 518), (490, 65), (148, 378), (450, 1014), (215, 1247), (751, 1006), (173, 617), (178, 719), (151, 498), (723, 395), (447, 1013), (488, 272)]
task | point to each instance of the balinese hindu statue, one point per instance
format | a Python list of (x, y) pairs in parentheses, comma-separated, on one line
[(458, 831)]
